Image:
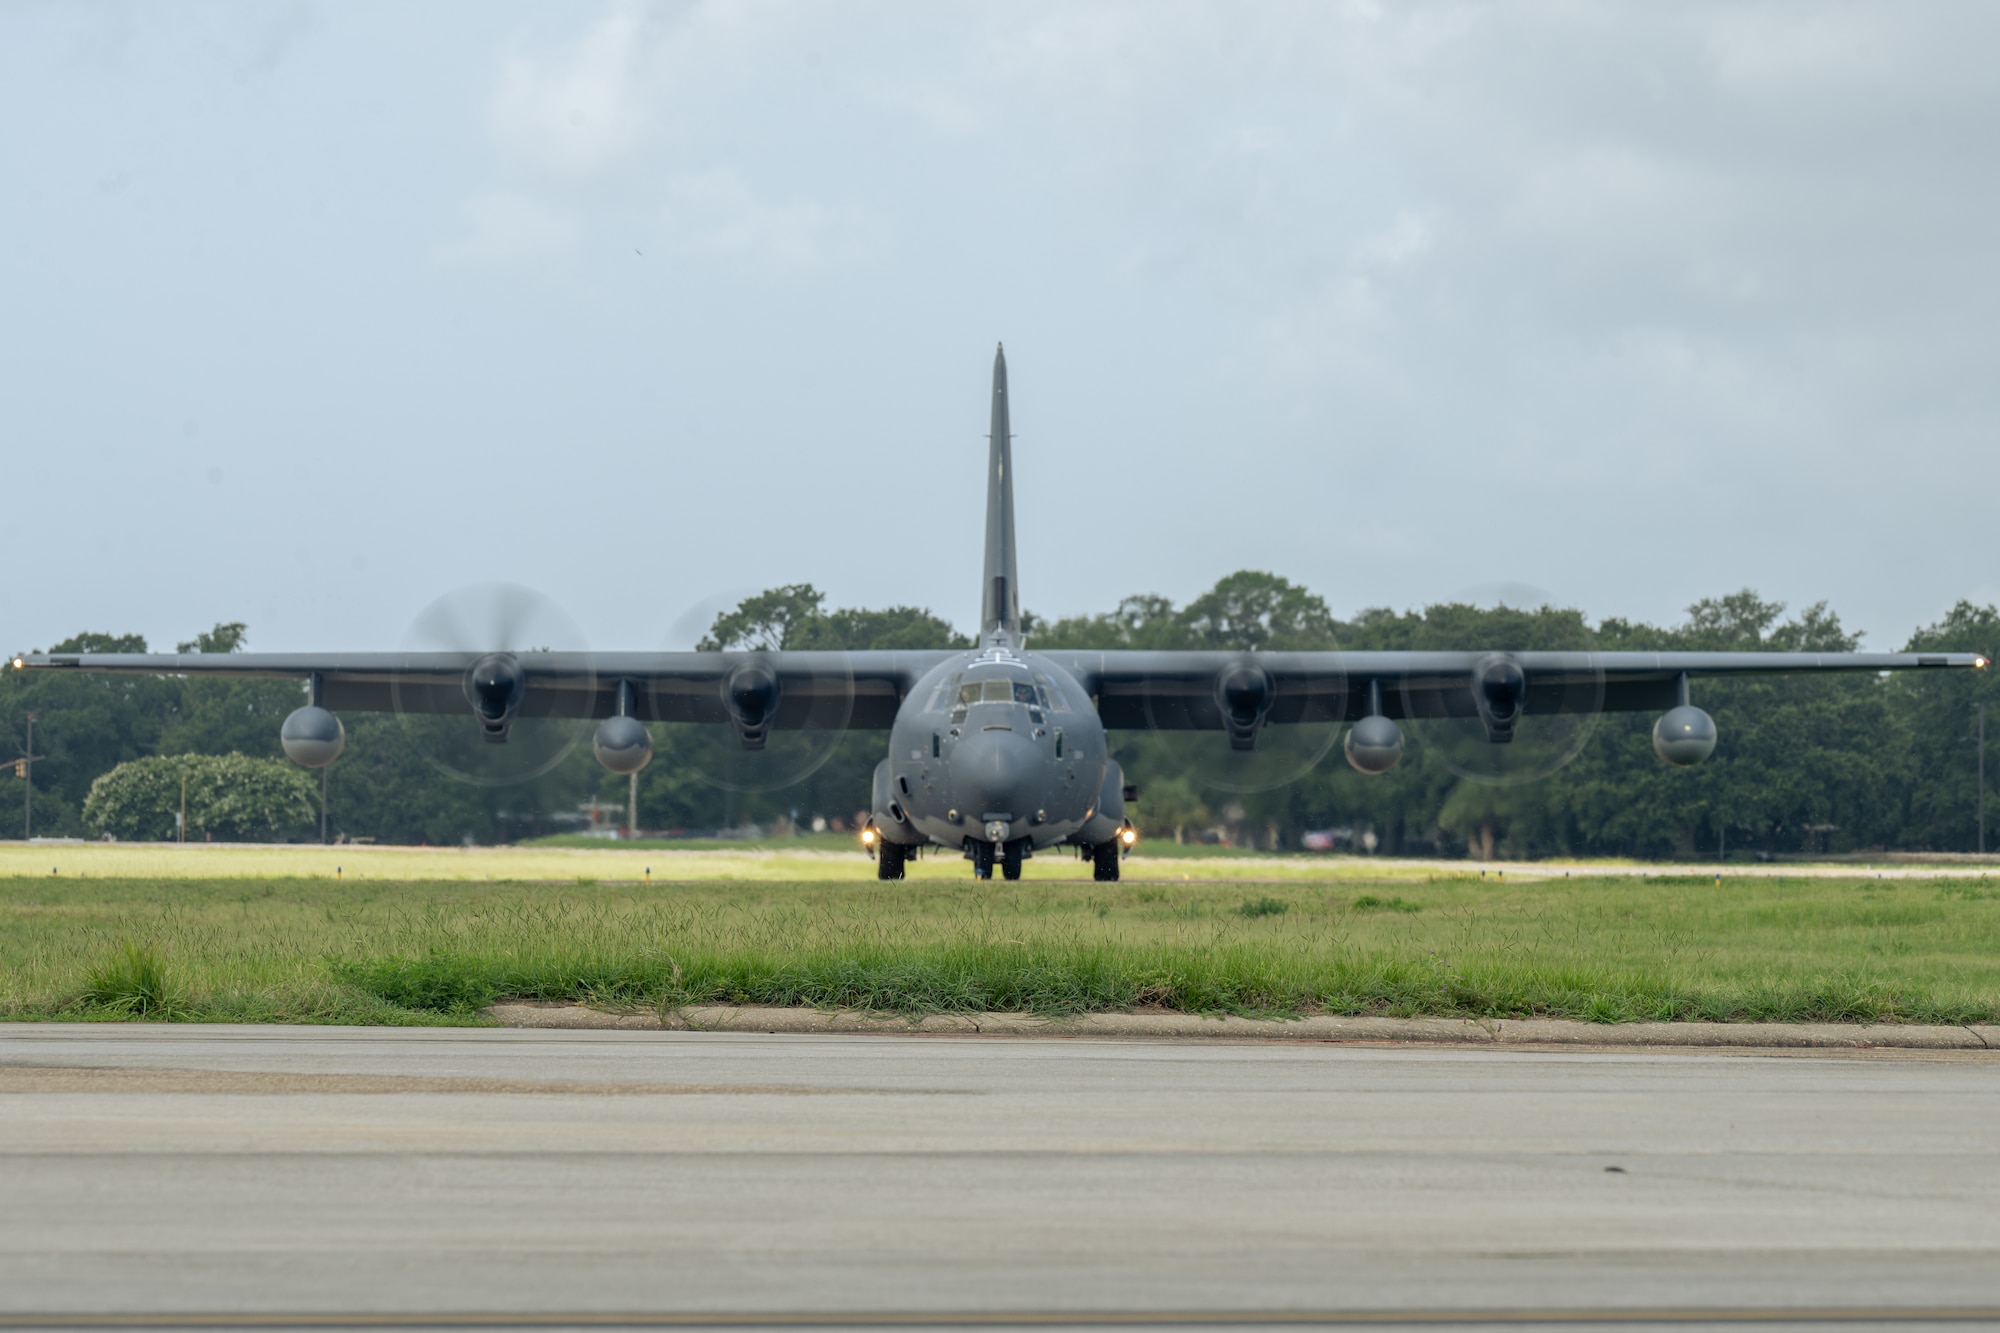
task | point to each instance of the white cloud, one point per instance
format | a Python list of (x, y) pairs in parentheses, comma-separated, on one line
[(580, 107), (717, 213), (511, 229)]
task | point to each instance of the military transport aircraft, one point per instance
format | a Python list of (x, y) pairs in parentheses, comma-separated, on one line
[(999, 752)]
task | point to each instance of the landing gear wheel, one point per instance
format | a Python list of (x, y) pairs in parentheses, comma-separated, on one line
[(889, 859), (1010, 861), (982, 860), (1104, 861)]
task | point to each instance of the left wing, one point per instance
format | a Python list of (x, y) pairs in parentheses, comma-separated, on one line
[(1227, 690)]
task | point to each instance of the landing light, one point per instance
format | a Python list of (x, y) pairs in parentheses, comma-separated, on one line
[(1978, 662), (868, 837), (1129, 836), (20, 662)]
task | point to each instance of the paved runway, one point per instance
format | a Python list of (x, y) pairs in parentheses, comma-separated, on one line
[(287, 1175)]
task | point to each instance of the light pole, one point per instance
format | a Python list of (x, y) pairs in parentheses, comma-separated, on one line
[(322, 803), (184, 804), (28, 772), (1982, 779)]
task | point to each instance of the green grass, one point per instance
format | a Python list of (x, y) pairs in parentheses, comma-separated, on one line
[(1604, 949), (791, 842), (1369, 902)]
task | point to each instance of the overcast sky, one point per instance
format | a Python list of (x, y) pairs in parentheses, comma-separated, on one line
[(311, 312)]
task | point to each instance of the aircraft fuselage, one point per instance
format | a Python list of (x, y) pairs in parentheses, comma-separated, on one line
[(998, 747)]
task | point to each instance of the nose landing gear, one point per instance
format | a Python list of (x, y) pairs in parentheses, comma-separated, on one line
[(1008, 854)]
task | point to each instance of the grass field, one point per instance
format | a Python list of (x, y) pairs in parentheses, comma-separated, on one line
[(792, 859), (386, 943)]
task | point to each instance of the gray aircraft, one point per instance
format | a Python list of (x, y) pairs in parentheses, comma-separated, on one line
[(999, 752)]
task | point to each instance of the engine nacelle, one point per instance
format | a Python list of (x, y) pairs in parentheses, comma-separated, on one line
[(312, 737), (1499, 694), (495, 687), (751, 694), (1684, 736), (1244, 691), (622, 744), (1373, 745)]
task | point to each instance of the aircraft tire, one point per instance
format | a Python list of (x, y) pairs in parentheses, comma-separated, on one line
[(889, 859), (1104, 861), (1010, 861)]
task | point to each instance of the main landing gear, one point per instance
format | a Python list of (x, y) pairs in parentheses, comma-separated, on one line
[(982, 859), (1105, 856), (890, 858)]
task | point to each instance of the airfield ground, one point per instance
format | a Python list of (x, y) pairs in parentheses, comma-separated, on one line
[(173, 1175), (405, 936)]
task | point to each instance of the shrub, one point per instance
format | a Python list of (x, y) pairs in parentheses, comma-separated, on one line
[(230, 797), (134, 981)]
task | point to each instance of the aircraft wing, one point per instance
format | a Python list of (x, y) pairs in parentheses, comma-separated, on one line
[(1184, 690), (1166, 690), (665, 687)]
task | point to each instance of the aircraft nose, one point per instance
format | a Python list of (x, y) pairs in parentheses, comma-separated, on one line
[(993, 773)]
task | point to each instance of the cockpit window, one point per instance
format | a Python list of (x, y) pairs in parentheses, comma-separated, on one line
[(942, 694), (1052, 698), (995, 690)]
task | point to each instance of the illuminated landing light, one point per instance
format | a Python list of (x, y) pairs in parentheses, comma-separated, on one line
[(1128, 836), (868, 837), (20, 662), (1978, 663)]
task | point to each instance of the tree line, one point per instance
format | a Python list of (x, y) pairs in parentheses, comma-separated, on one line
[(1806, 764)]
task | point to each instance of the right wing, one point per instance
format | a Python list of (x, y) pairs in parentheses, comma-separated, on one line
[(665, 687)]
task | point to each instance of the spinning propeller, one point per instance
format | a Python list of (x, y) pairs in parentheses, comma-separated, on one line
[(530, 685), (1508, 726), (1236, 747), (781, 729)]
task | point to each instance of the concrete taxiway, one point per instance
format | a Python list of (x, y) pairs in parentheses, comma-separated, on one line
[(289, 1177)]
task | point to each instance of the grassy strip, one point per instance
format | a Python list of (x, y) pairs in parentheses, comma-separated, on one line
[(1604, 950)]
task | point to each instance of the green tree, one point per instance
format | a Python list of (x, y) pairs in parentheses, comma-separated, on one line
[(231, 798), (676, 790), (1942, 711), (1252, 611)]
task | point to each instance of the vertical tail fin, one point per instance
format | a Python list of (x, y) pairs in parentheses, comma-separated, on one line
[(1000, 615)]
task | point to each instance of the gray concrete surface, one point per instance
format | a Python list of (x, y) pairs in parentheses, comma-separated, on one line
[(282, 1174), (1319, 1027)]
